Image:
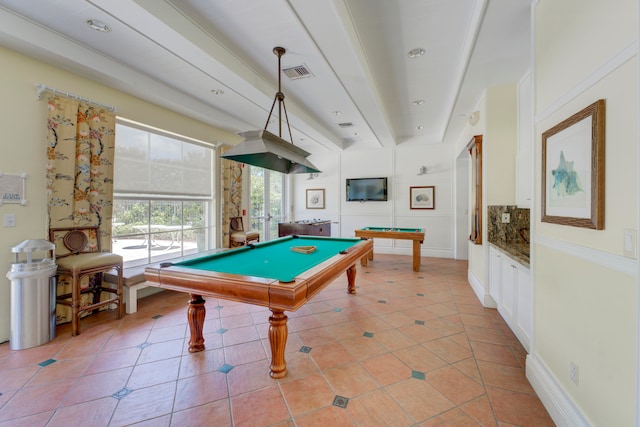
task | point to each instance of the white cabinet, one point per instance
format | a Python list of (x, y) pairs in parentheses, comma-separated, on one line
[(510, 287), (524, 154)]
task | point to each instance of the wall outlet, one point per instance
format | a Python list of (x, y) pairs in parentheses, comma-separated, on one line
[(629, 243), (506, 218), (574, 373)]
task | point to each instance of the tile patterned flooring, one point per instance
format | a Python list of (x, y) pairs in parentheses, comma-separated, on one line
[(410, 349)]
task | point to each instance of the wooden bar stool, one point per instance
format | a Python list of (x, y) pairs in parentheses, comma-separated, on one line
[(239, 237), (84, 257)]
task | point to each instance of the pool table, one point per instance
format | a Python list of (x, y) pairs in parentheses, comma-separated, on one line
[(415, 234), (268, 274)]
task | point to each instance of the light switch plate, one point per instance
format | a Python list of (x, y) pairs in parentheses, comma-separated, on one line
[(9, 220), (629, 243)]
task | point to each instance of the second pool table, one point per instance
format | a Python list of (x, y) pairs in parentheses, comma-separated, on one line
[(415, 234), (268, 274)]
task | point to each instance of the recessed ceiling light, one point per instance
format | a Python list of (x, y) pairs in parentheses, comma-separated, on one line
[(420, 127), (98, 25), (357, 133), (418, 102), (217, 91), (415, 53), (337, 113)]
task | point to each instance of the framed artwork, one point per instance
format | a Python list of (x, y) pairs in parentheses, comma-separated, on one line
[(13, 188), (573, 169), (315, 198), (422, 197)]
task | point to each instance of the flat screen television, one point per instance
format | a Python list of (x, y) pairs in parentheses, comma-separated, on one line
[(366, 189)]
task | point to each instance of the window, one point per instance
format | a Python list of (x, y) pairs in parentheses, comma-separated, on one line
[(163, 195)]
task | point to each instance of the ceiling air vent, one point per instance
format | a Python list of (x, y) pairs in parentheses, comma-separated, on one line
[(297, 72), (345, 125)]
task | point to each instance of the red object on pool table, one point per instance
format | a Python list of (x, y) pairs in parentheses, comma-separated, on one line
[(415, 234), (267, 274)]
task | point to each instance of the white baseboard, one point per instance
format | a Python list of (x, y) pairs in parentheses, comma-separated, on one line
[(478, 288), (559, 405)]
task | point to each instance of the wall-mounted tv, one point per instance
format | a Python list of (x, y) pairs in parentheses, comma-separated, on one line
[(366, 189)]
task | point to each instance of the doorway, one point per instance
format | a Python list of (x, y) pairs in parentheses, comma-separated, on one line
[(462, 206), (267, 201)]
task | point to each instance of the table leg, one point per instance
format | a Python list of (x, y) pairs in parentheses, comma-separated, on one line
[(366, 257), (195, 315), (278, 339), (363, 260), (351, 278), (416, 255)]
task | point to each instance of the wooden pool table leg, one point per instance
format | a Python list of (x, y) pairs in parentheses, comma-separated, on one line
[(366, 257), (278, 339), (195, 315), (416, 255), (351, 278)]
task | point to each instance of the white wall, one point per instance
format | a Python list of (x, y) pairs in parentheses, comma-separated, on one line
[(498, 126), (499, 146), (462, 229), (585, 291), (23, 145), (329, 180), (401, 166)]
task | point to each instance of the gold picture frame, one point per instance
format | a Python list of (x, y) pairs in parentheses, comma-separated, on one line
[(573, 169)]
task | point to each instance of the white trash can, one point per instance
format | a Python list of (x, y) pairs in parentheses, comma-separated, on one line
[(33, 295)]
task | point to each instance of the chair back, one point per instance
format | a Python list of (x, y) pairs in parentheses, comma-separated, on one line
[(236, 224), (75, 240)]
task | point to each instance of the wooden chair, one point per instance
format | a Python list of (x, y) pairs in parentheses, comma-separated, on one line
[(239, 237), (78, 256)]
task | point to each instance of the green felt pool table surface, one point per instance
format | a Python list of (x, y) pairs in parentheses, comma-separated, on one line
[(273, 259)]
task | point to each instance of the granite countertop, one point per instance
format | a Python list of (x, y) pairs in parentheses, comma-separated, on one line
[(519, 251)]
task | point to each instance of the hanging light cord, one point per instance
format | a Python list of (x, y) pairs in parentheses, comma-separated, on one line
[(279, 51)]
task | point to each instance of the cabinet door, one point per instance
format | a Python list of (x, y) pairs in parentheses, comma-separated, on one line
[(495, 274), (514, 297), (508, 303), (525, 304)]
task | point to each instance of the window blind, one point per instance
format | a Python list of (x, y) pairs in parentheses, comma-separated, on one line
[(155, 164)]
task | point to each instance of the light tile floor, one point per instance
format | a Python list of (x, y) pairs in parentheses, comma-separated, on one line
[(410, 349)]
